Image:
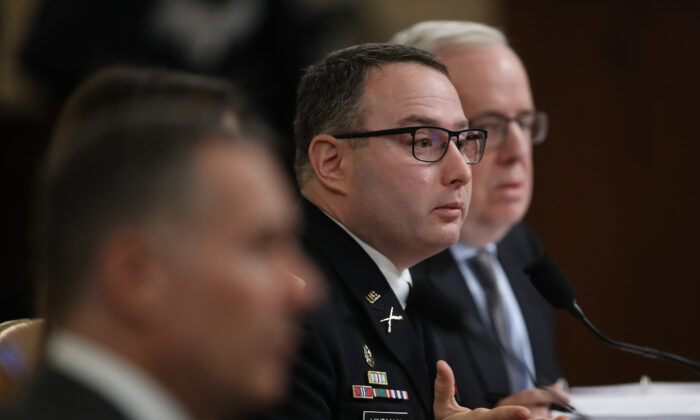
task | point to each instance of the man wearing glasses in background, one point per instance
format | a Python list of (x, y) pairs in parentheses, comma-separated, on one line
[(484, 270), (383, 162)]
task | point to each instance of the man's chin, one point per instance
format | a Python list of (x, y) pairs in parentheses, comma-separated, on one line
[(447, 237), (501, 213)]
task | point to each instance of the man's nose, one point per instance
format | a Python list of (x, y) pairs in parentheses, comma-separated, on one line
[(456, 171), (516, 142)]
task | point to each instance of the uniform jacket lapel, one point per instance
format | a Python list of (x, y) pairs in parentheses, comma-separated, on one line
[(343, 252)]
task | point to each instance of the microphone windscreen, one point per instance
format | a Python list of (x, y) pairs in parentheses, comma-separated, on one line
[(549, 279), (428, 302)]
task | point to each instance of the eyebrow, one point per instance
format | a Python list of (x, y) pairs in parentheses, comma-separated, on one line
[(422, 120), (500, 114)]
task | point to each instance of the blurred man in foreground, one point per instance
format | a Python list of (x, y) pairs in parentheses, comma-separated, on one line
[(165, 241), (483, 271)]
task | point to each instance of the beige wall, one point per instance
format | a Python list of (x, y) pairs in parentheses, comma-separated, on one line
[(16, 91), (382, 18)]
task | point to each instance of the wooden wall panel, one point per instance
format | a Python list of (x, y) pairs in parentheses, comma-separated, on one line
[(616, 190)]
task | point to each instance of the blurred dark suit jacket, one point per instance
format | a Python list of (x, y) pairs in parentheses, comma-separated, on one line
[(55, 396), (479, 370)]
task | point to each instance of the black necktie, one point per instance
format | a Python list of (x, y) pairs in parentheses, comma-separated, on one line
[(426, 340), (482, 267), (413, 317)]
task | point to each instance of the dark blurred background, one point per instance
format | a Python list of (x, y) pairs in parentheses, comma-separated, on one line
[(616, 200)]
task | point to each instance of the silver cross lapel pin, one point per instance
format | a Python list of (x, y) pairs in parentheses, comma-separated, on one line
[(390, 318)]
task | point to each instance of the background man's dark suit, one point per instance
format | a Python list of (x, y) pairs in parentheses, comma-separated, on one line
[(57, 396), (479, 371), (333, 359)]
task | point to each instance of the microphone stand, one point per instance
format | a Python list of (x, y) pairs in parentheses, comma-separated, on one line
[(577, 312)]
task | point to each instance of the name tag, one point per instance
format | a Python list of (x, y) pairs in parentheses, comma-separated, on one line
[(384, 415)]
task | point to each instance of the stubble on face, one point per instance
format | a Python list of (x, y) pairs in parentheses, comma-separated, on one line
[(398, 204)]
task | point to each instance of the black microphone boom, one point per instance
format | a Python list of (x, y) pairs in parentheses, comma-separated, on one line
[(431, 304), (549, 279)]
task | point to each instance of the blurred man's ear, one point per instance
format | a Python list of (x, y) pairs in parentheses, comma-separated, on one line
[(330, 159), (133, 281)]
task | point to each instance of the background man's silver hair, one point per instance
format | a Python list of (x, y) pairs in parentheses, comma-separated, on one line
[(433, 35)]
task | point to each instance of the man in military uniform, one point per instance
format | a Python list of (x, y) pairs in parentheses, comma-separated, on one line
[(383, 155)]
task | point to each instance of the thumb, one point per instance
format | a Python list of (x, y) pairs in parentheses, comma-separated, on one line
[(444, 403)]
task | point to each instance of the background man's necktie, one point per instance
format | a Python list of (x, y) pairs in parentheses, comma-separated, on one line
[(482, 267)]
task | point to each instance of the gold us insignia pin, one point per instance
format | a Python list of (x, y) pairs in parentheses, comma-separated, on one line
[(372, 296), (368, 355)]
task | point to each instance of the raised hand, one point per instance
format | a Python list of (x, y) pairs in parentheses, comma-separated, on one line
[(445, 406)]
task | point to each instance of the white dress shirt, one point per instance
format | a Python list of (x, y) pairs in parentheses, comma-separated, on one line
[(400, 282), (116, 379)]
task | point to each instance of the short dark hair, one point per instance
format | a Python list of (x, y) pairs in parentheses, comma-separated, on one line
[(328, 98), (122, 154), (121, 85)]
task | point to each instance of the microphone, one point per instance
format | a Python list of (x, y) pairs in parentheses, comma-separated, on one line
[(549, 279), (431, 304)]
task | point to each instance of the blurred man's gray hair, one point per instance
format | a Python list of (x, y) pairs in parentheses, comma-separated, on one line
[(433, 35)]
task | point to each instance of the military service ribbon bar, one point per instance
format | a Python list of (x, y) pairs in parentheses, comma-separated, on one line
[(367, 392), (362, 391), (395, 394), (377, 378)]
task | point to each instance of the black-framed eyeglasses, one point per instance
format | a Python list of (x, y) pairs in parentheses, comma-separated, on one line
[(533, 124), (429, 144)]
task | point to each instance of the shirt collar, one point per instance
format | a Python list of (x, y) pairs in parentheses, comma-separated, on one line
[(400, 282), (462, 251), (118, 380)]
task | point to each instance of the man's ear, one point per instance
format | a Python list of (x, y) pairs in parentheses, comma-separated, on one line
[(330, 160), (132, 280)]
